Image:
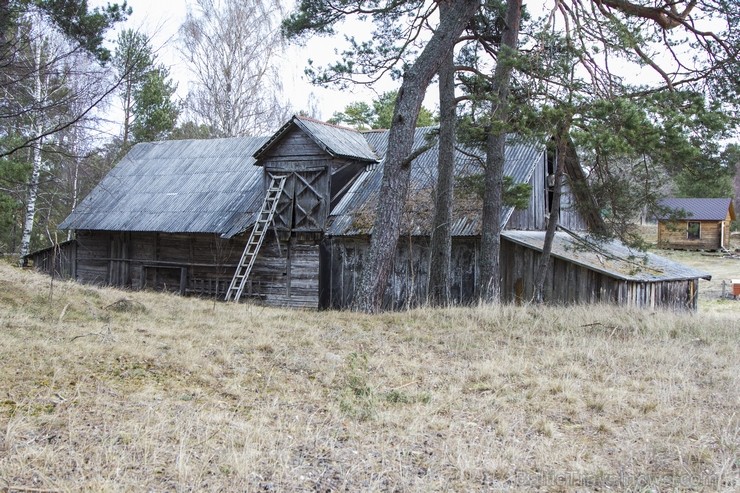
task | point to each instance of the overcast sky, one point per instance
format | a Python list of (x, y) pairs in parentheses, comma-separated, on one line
[(162, 19)]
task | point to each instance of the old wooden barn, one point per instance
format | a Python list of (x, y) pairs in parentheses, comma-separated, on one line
[(181, 216), (695, 223)]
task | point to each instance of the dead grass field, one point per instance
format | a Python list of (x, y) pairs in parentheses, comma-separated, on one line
[(161, 393)]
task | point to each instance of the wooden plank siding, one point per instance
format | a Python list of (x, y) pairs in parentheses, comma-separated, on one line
[(674, 234), (59, 261), (310, 188), (567, 283), (533, 217), (285, 273), (407, 284)]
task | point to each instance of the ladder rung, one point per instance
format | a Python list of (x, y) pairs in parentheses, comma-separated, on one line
[(269, 206)]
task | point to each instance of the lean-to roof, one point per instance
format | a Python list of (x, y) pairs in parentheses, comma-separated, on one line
[(608, 257)]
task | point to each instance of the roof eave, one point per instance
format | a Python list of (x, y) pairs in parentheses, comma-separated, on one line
[(616, 275), (295, 120)]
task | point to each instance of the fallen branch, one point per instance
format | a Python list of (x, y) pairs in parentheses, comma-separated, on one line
[(100, 334)]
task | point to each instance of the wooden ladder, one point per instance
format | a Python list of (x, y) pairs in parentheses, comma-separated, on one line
[(274, 191)]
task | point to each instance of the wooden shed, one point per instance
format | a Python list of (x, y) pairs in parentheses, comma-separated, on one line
[(695, 223), (586, 270), (188, 216)]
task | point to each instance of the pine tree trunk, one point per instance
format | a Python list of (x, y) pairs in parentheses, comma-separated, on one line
[(397, 170), (552, 222), (441, 243), (490, 279), (490, 287)]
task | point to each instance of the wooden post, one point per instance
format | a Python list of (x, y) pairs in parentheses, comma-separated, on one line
[(183, 280)]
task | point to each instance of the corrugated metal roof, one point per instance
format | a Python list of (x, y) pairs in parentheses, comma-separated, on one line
[(612, 258), (699, 209), (187, 186), (212, 186), (354, 214), (335, 140)]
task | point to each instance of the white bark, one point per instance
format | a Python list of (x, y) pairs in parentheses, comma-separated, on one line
[(231, 48), (33, 185)]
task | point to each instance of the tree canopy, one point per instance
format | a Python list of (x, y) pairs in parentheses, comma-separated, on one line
[(363, 116), (574, 75)]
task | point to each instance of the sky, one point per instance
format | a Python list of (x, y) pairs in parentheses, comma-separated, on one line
[(162, 19)]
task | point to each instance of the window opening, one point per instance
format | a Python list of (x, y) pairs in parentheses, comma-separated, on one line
[(694, 230)]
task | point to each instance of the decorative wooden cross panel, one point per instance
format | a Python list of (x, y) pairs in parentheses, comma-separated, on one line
[(309, 202), (303, 205), (283, 218)]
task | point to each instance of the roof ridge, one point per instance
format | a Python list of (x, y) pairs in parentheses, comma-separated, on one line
[(327, 124)]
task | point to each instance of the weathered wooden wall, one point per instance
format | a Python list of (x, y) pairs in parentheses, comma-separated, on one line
[(285, 273), (407, 284), (59, 260), (533, 217), (673, 234), (315, 181), (568, 283)]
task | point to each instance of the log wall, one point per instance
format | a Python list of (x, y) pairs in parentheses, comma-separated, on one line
[(674, 234), (285, 272)]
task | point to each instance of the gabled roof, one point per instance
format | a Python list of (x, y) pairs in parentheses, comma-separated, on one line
[(334, 140), (185, 186), (697, 208), (611, 257), (355, 213), (212, 186)]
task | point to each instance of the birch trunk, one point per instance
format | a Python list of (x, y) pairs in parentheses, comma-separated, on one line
[(394, 186), (33, 185), (490, 280), (75, 178)]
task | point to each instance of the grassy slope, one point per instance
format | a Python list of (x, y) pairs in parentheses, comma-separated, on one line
[(183, 394)]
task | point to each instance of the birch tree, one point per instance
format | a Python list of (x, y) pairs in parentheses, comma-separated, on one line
[(82, 29), (232, 48), (39, 93), (39, 104)]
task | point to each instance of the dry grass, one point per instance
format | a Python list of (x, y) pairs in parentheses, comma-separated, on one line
[(162, 393)]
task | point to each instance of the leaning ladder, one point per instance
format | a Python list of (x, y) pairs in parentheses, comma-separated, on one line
[(274, 191)]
